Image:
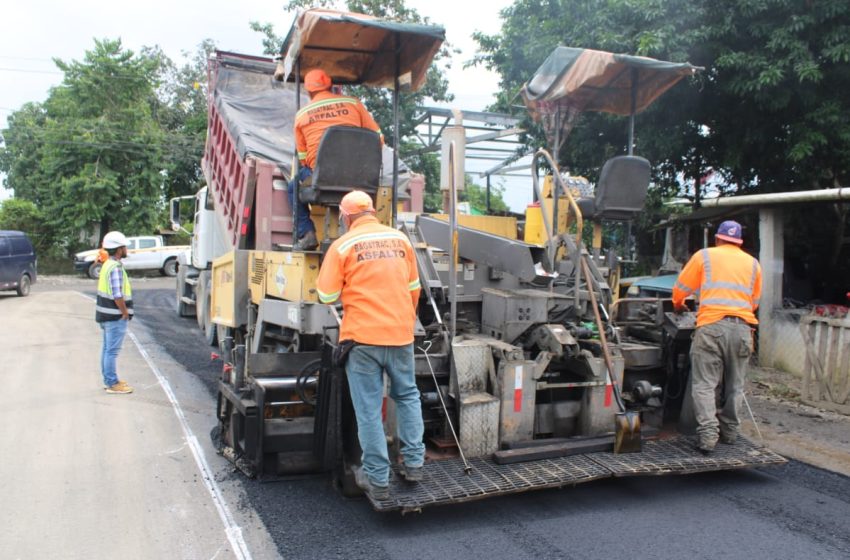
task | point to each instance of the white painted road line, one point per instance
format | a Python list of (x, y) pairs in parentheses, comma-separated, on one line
[(231, 529)]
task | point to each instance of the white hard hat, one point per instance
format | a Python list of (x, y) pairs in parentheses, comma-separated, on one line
[(114, 239)]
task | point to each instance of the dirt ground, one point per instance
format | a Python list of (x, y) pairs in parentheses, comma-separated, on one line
[(794, 429)]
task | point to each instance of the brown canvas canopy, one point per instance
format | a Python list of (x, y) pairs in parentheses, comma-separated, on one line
[(360, 49), (590, 80)]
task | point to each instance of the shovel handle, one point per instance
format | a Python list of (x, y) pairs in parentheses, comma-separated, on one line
[(606, 353)]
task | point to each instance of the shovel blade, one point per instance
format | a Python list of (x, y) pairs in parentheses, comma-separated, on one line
[(627, 433)]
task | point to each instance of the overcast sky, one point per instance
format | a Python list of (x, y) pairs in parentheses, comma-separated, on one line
[(35, 31)]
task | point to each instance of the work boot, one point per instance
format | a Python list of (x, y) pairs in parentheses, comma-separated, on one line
[(306, 243), (411, 474), (373, 490), (119, 388), (705, 450), (728, 438)]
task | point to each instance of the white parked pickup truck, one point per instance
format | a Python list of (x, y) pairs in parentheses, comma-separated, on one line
[(147, 252)]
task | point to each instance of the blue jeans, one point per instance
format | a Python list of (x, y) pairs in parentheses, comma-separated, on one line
[(113, 336), (303, 223), (365, 367)]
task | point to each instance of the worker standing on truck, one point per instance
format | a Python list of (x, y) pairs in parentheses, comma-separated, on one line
[(114, 309), (372, 269), (326, 109), (729, 284)]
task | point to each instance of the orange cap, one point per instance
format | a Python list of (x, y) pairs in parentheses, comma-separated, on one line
[(356, 202), (317, 80)]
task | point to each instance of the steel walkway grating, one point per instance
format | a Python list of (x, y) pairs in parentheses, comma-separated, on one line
[(678, 456), (445, 482)]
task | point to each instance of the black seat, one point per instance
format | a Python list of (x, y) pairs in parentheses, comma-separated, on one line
[(348, 158), (620, 192)]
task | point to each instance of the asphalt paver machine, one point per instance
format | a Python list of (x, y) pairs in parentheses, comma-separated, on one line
[(531, 374)]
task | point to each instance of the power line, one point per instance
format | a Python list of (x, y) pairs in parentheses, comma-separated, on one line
[(125, 76), (26, 58), (30, 71)]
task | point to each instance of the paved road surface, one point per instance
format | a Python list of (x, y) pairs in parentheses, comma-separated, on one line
[(90, 475), (794, 511)]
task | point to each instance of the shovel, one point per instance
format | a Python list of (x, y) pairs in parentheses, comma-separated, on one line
[(626, 424)]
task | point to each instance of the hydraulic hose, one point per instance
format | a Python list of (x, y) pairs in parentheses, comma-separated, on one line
[(308, 371)]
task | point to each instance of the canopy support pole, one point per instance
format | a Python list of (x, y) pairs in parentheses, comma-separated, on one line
[(296, 167), (396, 131), (487, 197), (555, 171), (632, 113)]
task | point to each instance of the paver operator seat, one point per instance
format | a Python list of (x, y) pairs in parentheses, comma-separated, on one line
[(620, 192), (348, 158)]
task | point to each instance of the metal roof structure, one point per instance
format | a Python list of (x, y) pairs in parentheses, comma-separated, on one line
[(490, 137)]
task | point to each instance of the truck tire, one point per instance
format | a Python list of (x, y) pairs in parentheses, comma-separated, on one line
[(169, 268), (183, 309), (94, 270), (24, 285), (202, 288)]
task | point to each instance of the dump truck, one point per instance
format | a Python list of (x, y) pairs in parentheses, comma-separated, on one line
[(532, 373)]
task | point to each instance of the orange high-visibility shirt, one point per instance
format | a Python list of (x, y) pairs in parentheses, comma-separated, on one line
[(728, 281), (372, 269), (327, 109)]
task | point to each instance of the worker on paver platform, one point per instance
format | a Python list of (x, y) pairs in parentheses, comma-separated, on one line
[(326, 109), (113, 310), (728, 281), (372, 269)]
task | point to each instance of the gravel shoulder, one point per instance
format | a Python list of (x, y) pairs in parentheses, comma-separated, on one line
[(794, 429)]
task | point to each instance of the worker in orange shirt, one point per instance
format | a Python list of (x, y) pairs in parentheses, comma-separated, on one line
[(326, 109), (728, 281), (372, 269)]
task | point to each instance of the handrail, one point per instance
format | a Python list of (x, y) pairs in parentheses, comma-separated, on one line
[(551, 249)]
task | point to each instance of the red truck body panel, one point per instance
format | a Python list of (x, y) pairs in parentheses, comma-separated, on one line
[(249, 191)]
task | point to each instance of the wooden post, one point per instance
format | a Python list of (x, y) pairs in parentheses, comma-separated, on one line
[(772, 258)]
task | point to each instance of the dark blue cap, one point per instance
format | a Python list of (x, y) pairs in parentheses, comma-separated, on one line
[(730, 231)]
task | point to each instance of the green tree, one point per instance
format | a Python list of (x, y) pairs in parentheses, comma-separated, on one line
[(20, 158), (182, 112), (24, 215), (93, 156), (769, 112)]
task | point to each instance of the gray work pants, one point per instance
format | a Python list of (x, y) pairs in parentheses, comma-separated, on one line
[(719, 354)]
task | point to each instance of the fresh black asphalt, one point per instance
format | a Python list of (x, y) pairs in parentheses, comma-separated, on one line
[(793, 511)]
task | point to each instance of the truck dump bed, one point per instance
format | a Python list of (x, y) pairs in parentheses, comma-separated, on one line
[(250, 150)]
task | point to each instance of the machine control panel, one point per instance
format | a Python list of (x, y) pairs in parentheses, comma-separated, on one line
[(680, 326)]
